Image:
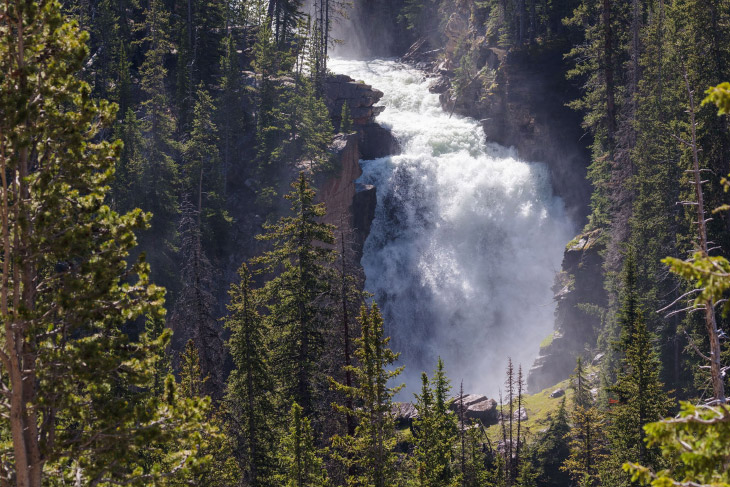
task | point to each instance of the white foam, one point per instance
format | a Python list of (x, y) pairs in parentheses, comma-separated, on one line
[(466, 239)]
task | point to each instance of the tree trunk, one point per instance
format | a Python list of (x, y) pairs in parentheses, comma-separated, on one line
[(718, 386)]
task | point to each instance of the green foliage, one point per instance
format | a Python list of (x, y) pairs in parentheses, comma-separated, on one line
[(287, 17), (551, 449), (709, 274), (720, 96), (435, 433), (638, 391), (162, 367), (249, 387), (586, 435), (345, 119), (191, 378), (295, 297), (369, 454), (696, 445), (300, 461), (79, 393), (202, 176), (157, 172), (311, 126), (476, 472)]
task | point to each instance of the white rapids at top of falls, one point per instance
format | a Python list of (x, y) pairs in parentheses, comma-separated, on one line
[(466, 239)]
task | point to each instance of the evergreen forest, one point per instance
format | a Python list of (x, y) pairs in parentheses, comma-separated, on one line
[(181, 235)]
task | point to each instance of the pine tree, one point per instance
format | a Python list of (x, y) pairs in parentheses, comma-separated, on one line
[(191, 378), (296, 296), (345, 119), (193, 316), (162, 365), (286, 16), (695, 444), (300, 462), (221, 469), (202, 176), (230, 116), (369, 451), (476, 473), (78, 393), (508, 425), (552, 450), (249, 387), (641, 399), (272, 124), (586, 435), (639, 391), (157, 175), (311, 126), (128, 164), (435, 433), (202, 161)]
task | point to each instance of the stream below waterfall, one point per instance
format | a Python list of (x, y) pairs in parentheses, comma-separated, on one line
[(466, 240)]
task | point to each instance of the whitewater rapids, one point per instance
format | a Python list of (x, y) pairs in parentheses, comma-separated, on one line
[(466, 240)]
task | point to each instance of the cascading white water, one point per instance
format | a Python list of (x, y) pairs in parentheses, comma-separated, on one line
[(466, 239)]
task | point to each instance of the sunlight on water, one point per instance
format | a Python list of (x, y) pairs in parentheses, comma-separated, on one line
[(466, 239)]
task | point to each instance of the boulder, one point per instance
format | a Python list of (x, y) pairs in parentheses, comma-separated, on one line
[(377, 142), (467, 400), (477, 407), (520, 414), (404, 413), (597, 359), (441, 85), (557, 393), (484, 411)]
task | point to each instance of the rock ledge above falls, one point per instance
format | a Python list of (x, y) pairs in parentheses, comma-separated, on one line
[(349, 205)]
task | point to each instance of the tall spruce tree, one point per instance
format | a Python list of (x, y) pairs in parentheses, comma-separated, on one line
[(250, 386), (78, 394), (297, 295), (369, 451), (158, 173), (435, 433), (640, 400), (300, 461), (587, 440), (552, 449), (202, 172)]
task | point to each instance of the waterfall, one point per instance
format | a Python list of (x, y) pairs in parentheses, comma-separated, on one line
[(466, 241)]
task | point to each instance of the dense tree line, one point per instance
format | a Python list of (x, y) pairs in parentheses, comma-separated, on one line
[(98, 391)]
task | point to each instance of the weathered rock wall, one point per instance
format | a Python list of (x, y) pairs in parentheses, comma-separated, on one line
[(577, 324), (350, 206)]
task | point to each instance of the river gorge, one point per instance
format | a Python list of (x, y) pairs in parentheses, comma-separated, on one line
[(466, 239)]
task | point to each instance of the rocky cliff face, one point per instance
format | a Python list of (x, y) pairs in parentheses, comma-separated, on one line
[(579, 294), (350, 206)]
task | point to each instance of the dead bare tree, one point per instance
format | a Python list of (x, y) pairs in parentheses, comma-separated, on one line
[(703, 250)]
